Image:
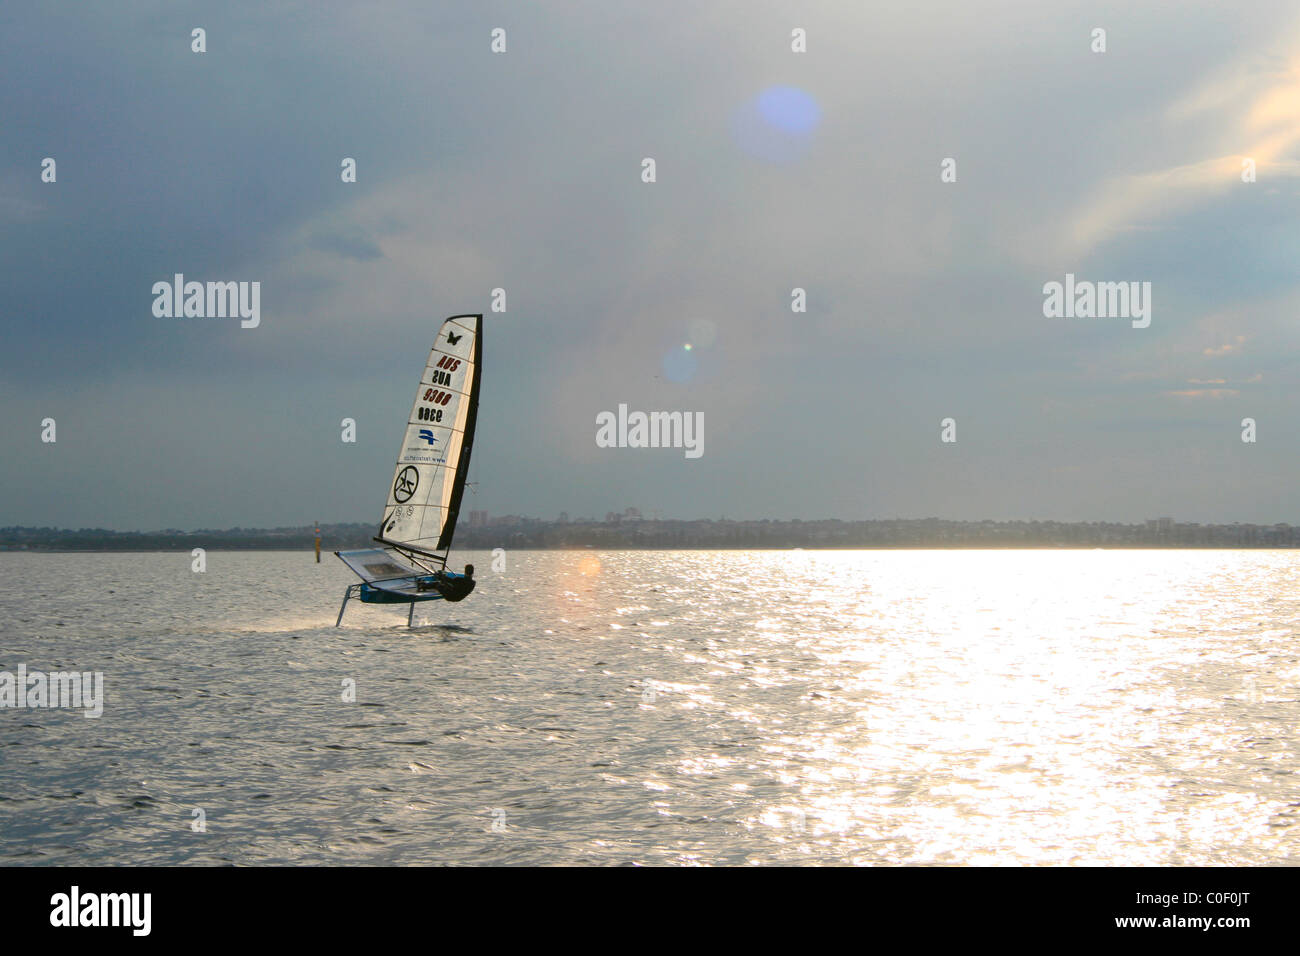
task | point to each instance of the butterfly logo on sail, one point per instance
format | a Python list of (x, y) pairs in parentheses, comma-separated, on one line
[(453, 338)]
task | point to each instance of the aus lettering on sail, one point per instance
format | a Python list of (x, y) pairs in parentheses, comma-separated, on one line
[(209, 300)]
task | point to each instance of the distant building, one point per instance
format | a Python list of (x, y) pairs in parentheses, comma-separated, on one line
[(564, 517), (478, 519)]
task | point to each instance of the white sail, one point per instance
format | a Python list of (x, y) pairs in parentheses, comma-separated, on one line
[(429, 480)]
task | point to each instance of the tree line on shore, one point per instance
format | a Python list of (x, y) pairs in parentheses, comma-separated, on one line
[(518, 532)]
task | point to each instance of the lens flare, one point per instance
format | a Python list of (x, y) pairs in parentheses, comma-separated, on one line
[(789, 109), (777, 125), (680, 365)]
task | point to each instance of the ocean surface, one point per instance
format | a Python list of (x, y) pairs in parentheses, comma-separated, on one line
[(652, 708)]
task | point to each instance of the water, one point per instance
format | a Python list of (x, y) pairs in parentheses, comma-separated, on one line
[(906, 707)]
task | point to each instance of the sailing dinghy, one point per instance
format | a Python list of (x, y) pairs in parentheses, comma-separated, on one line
[(428, 482)]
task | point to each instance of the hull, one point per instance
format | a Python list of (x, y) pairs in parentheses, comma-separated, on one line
[(405, 590)]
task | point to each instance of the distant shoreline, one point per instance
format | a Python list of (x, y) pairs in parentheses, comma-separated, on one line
[(631, 531)]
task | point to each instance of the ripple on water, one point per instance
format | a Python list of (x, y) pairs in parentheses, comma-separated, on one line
[(686, 708)]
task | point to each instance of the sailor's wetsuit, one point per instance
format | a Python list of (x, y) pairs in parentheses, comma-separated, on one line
[(453, 588)]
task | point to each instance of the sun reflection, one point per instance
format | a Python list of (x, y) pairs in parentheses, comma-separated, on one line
[(961, 707)]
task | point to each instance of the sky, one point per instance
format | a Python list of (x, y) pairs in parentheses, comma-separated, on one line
[(774, 170)]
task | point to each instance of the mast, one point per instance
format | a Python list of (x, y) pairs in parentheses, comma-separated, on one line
[(467, 442), (433, 461)]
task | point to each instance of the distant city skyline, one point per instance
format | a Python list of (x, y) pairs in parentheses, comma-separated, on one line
[(481, 518), (630, 529)]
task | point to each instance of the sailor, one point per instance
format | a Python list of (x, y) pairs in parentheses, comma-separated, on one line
[(456, 588)]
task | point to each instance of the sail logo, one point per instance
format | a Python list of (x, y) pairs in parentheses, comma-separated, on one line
[(1098, 300), (209, 300), (408, 479), (65, 689), (651, 430), (426, 435)]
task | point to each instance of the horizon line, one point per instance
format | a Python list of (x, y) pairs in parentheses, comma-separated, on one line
[(623, 518)]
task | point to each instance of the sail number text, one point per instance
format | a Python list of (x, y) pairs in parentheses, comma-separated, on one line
[(441, 373), (435, 397)]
